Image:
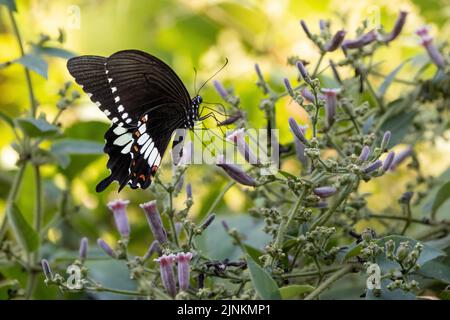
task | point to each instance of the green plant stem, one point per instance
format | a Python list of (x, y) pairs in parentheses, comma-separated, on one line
[(403, 81), (401, 218), (307, 274), (12, 197), (27, 71), (219, 197), (328, 282), (172, 222), (316, 68)]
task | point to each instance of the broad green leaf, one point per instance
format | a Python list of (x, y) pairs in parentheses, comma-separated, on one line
[(399, 125), (77, 146), (55, 52), (8, 289), (389, 79), (11, 4), (253, 252), (295, 290), (264, 285), (437, 269), (442, 196), (34, 63), (36, 127), (7, 119), (24, 233)]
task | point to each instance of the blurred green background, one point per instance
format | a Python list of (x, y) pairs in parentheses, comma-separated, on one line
[(187, 34)]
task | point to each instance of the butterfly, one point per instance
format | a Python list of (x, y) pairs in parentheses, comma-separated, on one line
[(146, 102)]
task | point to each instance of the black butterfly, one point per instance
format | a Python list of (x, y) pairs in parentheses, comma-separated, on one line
[(146, 102)]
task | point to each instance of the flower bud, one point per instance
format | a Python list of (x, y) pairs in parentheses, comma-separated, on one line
[(433, 52), (208, 221), (238, 138), (220, 89), (288, 86), (360, 42), (335, 42), (373, 166), (386, 139), (400, 157), (364, 155), (189, 191), (305, 29), (118, 208), (390, 247), (154, 221), (167, 275), (402, 251), (301, 68), (154, 247), (83, 248), (46, 269), (388, 161), (183, 260), (399, 24), (235, 172), (106, 248), (325, 192), (330, 104), (298, 131)]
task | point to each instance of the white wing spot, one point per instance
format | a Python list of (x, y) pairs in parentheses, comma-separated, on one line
[(128, 120), (106, 111), (114, 89), (142, 128), (123, 139), (89, 95), (146, 145), (143, 139), (115, 119), (127, 148), (110, 80), (117, 99), (98, 104), (119, 131), (125, 115), (152, 157), (120, 108)]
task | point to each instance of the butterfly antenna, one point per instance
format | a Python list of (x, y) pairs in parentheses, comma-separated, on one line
[(215, 73)]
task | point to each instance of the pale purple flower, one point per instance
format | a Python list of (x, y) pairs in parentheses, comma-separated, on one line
[(118, 208), (238, 138), (154, 221), (300, 152), (386, 139), (288, 86), (46, 269), (305, 28), (335, 42), (220, 89), (183, 260), (360, 42), (83, 248), (106, 248), (323, 25), (433, 52), (301, 68), (373, 166), (153, 248), (167, 274), (400, 157), (307, 94), (330, 104), (388, 161), (365, 153), (399, 24), (235, 172), (298, 131), (324, 192)]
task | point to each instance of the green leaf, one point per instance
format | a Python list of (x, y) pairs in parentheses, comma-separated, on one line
[(389, 79), (437, 269), (55, 52), (287, 175), (36, 127), (253, 252), (264, 285), (35, 63), (77, 146), (24, 233), (7, 119), (295, 290), (399, 125), (11, 4), (442, 196)]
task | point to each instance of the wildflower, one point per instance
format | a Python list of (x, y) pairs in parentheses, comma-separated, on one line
[(324, 192), (386, 139), (365, 152), (288, 86), (238, 138), (183, 260), (167, 276), (154, 247), (83, 248), (397, 27), (208, 221), (427, 43), (388, 161), (235, 172), (335, 42), (300, 152), (360, 42), (301, 68), (298, 131), (373, 166), (46, 269), (105, 247), (154, 221), (330, 104), (220, 89), (120, 216), (400, 157)]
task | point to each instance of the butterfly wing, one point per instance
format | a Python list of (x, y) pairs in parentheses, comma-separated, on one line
[(127, 86)]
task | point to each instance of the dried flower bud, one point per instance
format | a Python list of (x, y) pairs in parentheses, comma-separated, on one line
[(235, 172), (305, 29), (330, 104), (154, 247), (386, 139), (388, 161), (220, 89), (83, 248), (335, 42), (118, 208), (360, 42), (298, 132), (46, 269), (365, 152), (406, 197), (167, 275), (399, 24), (325, 192), (335, 72), (402, 251), (373, 166), (154, 221), (105, 247), (400, 157), (390, 247), (183, 260)]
